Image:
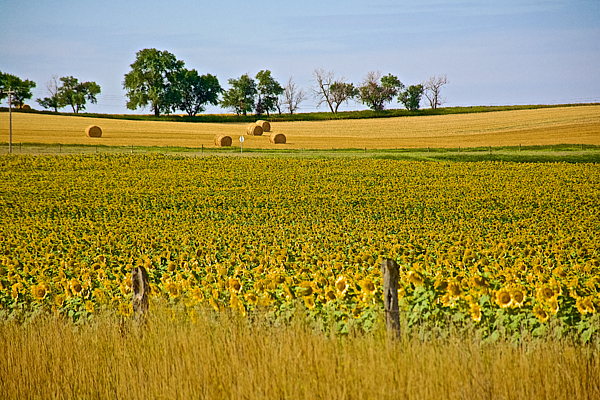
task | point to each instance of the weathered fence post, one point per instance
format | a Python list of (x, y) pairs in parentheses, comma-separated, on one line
[(390, 271), (141, 290)]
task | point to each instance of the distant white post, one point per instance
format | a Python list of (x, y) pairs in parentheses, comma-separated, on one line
[(242, 144)]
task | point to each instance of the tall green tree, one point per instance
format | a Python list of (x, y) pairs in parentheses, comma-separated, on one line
[(268, 91), (21, 88), (196, 91), (76, 94), (240, 97), (151, 79), (411, 97), (376, 90)]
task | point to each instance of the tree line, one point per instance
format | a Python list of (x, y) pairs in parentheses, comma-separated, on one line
[(160, 81)]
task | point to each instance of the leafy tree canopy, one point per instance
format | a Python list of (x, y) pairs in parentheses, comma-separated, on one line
[(411, 97), (150, 79), (268, 90), (21, 88), (240, 97), (376, 90), (76, 94), (196, 91)]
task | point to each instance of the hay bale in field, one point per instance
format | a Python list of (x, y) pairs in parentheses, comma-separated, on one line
[(255, 130), (277, 138), (265, 125), (93, 131), (222, 141), (26, 107)]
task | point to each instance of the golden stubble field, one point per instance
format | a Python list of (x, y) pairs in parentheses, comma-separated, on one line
[(563, 125)]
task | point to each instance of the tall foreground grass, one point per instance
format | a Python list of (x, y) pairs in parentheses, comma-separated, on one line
[(223, 356)]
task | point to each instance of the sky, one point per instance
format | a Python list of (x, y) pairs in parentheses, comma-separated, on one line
[(500, 52)]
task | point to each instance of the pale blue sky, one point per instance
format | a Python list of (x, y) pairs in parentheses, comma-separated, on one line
[(493, 52)]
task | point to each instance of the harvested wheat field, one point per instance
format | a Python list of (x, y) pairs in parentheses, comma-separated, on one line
[(562, 125)]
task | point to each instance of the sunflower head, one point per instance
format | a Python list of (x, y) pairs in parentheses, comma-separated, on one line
[(546, 293), (518, 297), (368, 286), (454, 289), (330, 295), (341, 285), (540, 314), (235, 285), (503, 298), (39, 292), (76, 286), (89, 306), (309, 301), (585, 305)]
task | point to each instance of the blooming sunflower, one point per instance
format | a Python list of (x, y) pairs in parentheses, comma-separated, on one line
[(546, 293), (309, 302), (89, 306), (518, 297), (368, 286), (235, 285), (341, 286), (39, 292), (503, 298), (540, 314), (75, 286), (585, 305), (454, 289), (330, 295)]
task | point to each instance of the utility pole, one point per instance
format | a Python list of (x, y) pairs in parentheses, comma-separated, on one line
[(10, 93)]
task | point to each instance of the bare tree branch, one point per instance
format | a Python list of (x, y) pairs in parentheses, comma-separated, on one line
[(432, 88), (292, 96)]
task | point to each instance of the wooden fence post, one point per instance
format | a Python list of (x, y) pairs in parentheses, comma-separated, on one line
[(390, 271), (141, 290)]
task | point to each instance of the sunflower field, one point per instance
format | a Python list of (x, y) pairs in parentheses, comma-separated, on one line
[(506, 249)]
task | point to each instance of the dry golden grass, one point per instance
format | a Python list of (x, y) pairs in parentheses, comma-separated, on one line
[(228, 357), (577, 125)]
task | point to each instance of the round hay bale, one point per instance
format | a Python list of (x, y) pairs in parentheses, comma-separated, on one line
[(26, 107), (222, 141), (255, 130), (93, 131), (265, 125), (277, 138)]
